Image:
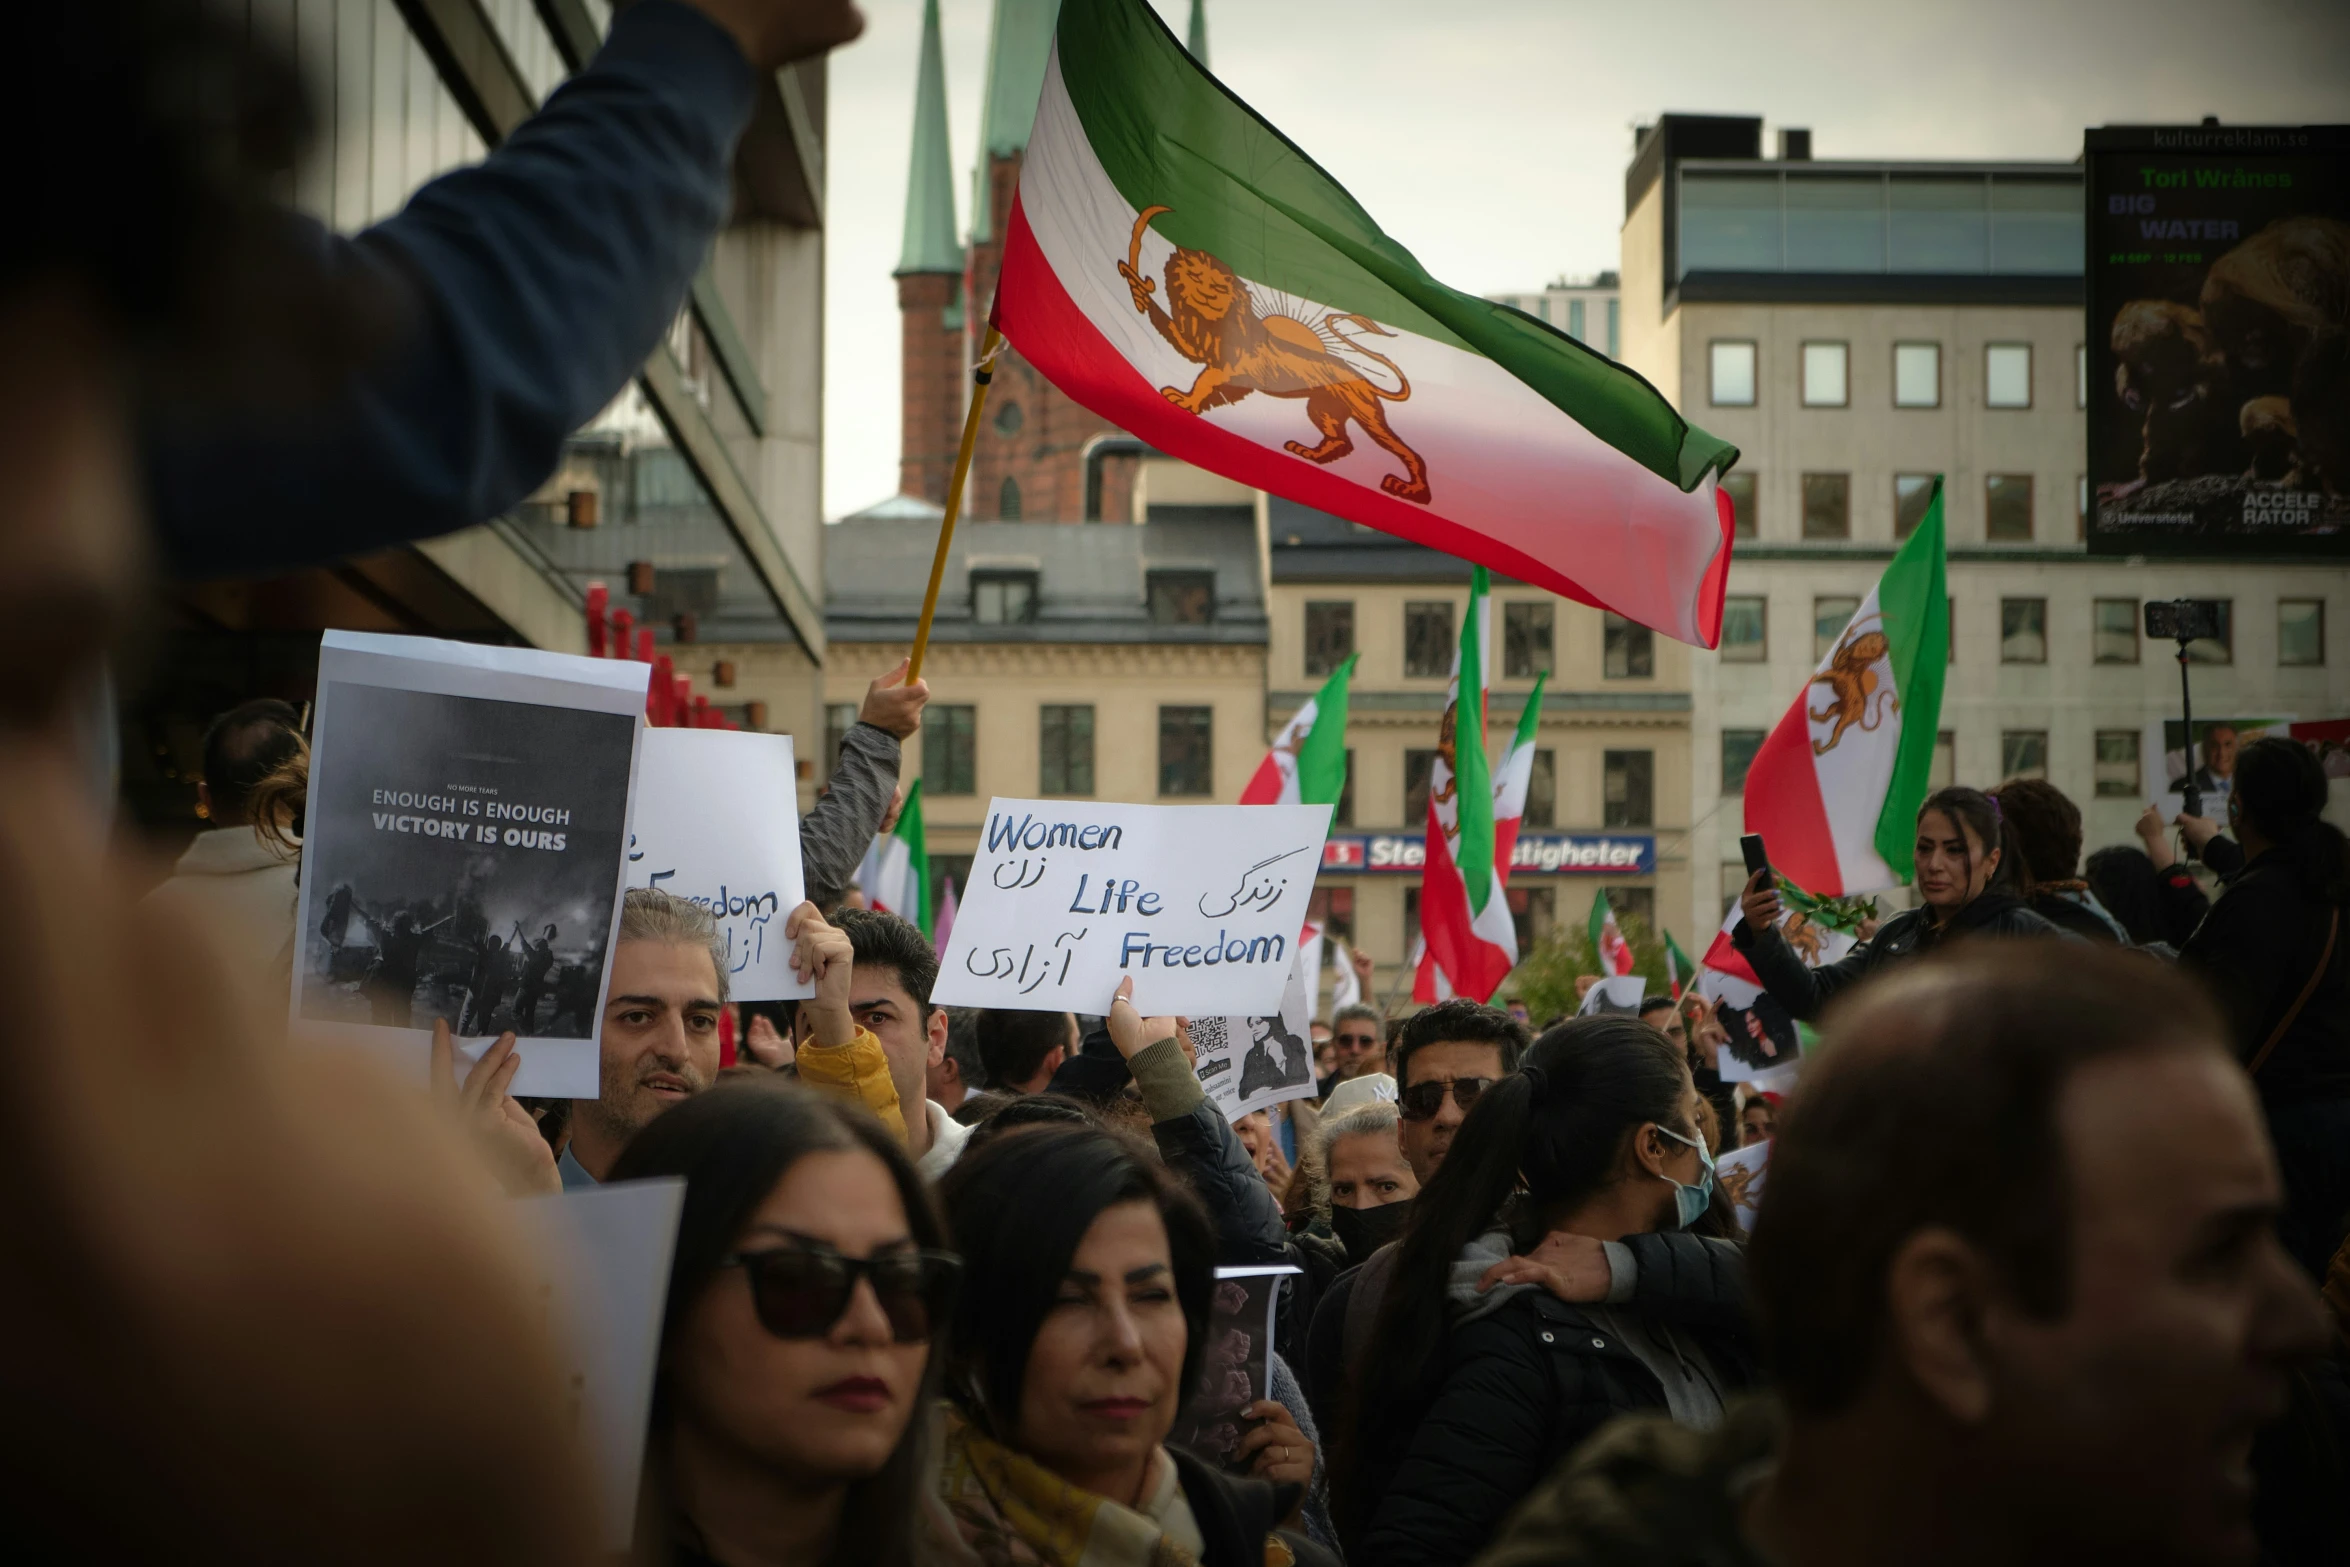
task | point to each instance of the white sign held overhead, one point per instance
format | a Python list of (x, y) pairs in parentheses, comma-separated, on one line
[(717, 823), (1200, 905)]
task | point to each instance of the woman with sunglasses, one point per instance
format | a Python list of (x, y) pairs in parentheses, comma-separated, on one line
[(810, 1275), (1549, 1281), (1081, 1324)]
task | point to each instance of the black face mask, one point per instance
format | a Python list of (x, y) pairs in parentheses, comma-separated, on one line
[(1363, 1231)]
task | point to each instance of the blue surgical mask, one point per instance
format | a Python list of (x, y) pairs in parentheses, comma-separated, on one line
[(1690, 1201)]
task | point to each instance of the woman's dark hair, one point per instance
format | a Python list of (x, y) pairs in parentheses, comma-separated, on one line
[(733, 1144), (2047, 827), (2129, 886), (1027, 1110), (1557, 1125), (1018, 1208), (2280, 789), (1979, 821)]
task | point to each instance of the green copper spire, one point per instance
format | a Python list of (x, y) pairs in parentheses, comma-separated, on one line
[(1020, 41), (930, 180), (1195, 37)]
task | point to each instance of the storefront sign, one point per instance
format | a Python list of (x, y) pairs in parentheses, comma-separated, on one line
[(1538, 853)]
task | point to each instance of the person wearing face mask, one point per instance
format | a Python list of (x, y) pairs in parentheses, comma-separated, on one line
[(1962, 846), (1564, 1268), (1082, 1323), (1371, 1187), (810, 1279)]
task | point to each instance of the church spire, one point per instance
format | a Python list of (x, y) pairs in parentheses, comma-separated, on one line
[(1019, 43), (1195, 37), (930, 243)]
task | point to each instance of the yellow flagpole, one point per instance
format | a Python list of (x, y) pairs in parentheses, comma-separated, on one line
[(981, 374)]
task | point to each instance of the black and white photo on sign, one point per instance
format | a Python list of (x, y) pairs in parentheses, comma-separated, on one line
[(1249, 1063), (462, 848), (1619, 993), (1237, 1367), (717, 823), (1763, 1037)]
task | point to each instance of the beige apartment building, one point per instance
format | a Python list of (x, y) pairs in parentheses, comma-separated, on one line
[(1857, 328)]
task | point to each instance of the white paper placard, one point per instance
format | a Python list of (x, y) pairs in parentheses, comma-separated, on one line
[(717, 822), (1200, 905), (1614, 993), (604, 1256), (462, 850), (1743, 1172), (1248, 1063)]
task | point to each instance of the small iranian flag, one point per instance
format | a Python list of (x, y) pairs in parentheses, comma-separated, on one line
[(1510, 783), (1835, 789), (1607, 938), (895, 872), (1182, 269), (1307, 765), (1464, 910), (1676, 964)]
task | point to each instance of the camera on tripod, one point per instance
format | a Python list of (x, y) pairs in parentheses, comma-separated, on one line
[(2183, 620)]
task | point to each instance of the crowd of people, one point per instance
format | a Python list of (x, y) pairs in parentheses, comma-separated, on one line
[(2049, 1265)]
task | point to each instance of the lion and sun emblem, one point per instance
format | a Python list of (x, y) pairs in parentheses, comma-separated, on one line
[(1212, 319), (1856, 695)]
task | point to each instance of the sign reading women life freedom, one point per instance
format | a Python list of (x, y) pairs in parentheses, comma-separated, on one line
[(1200, 905), (468, 809), (717, 823)]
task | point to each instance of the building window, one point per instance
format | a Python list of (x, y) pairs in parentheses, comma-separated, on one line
[(2301, 631), (1417, 765), (2080, 375), (2023, 753), (1634, 903), (2007, 507), (2113, 633), (1007, 418), (2222, 648), (1064, 749), (1330, 634), (1945, 768), (1533, 913), (1912, 492), (1826, 375), (1830, 614), (1427, 640), (1740, 488), (1738, 748), (2007, 375), (1575, 319), (1917, 375), (1343, 814), (1181, 598), (2023, 631), (1733, 374), (1628, 788), (839, 719), (1542, 790), (1187, 750), (1007, 501), (2117, 764), (950, 750), (1003, 598), (1745, 630), (1630, 649), (1525, 640), (1827, 506), (1612, 337)]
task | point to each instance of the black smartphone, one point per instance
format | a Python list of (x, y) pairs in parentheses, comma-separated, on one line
[(1751, 845)]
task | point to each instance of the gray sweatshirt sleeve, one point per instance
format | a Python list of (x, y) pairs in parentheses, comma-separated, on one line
[(837, 831)]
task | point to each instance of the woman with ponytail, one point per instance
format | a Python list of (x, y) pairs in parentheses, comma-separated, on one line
[(2274, 950), (1966, 860), (1549, 1281)]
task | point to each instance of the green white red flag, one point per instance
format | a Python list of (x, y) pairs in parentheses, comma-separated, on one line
[(1510, 782), (1464, 909), (1607, 938), (1835, 789), (1677, 966), (1307, 764), (895, 873), (1179, 267)]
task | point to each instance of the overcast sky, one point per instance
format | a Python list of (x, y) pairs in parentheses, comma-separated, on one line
[(1491, 136)]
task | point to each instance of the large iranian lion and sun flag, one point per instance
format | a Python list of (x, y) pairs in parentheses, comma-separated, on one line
[(1179, 267)]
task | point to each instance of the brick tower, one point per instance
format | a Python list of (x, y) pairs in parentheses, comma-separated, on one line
[(930, 290)]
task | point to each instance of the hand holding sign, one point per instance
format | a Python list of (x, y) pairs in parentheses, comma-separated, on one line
[(1130, 1031), (823, 959)]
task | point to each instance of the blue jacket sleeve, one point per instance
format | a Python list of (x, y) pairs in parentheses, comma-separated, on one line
[(522, 292)]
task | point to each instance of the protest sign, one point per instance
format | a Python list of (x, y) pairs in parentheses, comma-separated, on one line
[(1742, 1172), (1249, 1063), (1237, 1368), (462, 850), (717, 823), (1618, 993), (1199, 905), (1763, 1038), (603, 1263)]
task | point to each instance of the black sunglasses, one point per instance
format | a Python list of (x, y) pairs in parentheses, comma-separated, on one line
[(1421, 1101), (801, 1291)]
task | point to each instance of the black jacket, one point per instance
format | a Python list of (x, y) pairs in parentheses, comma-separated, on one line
[(2258, 946), (1236, 1512), (1525, 1384), (1803, 991)]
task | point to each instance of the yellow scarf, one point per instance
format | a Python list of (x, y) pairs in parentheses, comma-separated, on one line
[(1010, 1511)]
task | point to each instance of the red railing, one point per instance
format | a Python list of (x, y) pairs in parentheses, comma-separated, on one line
[(670, 699)]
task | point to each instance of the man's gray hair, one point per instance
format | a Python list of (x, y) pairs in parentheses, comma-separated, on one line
[(1367, 1120), (1367, 1013), (649, 914)]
